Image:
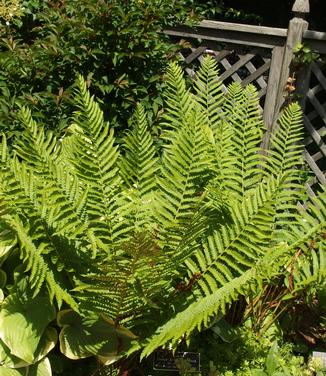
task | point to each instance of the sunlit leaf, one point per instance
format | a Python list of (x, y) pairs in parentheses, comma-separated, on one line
[(22, 324), (83, 337)]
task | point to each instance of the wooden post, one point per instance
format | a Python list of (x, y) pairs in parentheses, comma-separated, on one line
[(271, 95), (297, 26)]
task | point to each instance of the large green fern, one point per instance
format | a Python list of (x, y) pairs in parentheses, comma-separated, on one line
[(130, 232)]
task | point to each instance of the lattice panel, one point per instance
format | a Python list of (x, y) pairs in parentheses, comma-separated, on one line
[(235, 64), (315, 123)]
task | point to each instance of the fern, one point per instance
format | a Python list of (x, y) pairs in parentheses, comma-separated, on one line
[(134, 231), (309, 271), (242, 114), (197, 313), (235, 247), (209, 91), (139, 163)]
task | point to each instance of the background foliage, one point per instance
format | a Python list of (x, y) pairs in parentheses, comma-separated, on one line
[(115, 44)]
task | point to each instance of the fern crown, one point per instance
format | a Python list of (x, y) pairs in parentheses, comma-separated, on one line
[(121, 230)]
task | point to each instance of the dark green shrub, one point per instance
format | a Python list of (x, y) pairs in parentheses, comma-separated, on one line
[(116, 44)]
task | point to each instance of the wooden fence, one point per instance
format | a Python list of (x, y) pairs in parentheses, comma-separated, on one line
[(264, 56)]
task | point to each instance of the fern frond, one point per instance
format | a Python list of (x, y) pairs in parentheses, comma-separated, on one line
[(198, 314), (307, 225), (310, 270), (63, 199), (209, 93), (285, 159), (139, 163), (178, 99), (27, 202), (235, 247), (241, 112), (286, 151), (185, 162), (34, 258), (35, 147), (95, 160)]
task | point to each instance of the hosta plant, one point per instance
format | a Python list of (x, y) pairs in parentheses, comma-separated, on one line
[(111, 248)]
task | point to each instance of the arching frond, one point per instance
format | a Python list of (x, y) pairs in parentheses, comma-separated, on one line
[(95, 160), (178, 99), (209, 93), (235, 247), (198, 314), (309, 270), (184, 169), (241, 112)]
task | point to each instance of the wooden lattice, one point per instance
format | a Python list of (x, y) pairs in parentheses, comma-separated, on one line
[(315, 123), (263, 56), (235, 64)]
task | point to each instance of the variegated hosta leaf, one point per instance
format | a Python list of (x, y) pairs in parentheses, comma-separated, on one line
[(7, 242), (42, 368), (46, 344), (23, 322), (81, 337)]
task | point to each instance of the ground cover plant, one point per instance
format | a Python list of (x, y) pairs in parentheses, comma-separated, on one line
[(111, 250)]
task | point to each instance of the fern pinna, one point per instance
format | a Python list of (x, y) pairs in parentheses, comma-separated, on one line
[(134, 231)]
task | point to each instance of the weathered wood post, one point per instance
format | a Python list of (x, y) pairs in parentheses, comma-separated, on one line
[(280, 67), (297, 26)]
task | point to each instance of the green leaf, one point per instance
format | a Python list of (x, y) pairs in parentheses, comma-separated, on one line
[(258, 372), (9, 360), (3, 278), (82, 337), (4, 252), (272, 363), (22, 324), (47, 343), (225, 331), (42, 368), (12, 372)]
